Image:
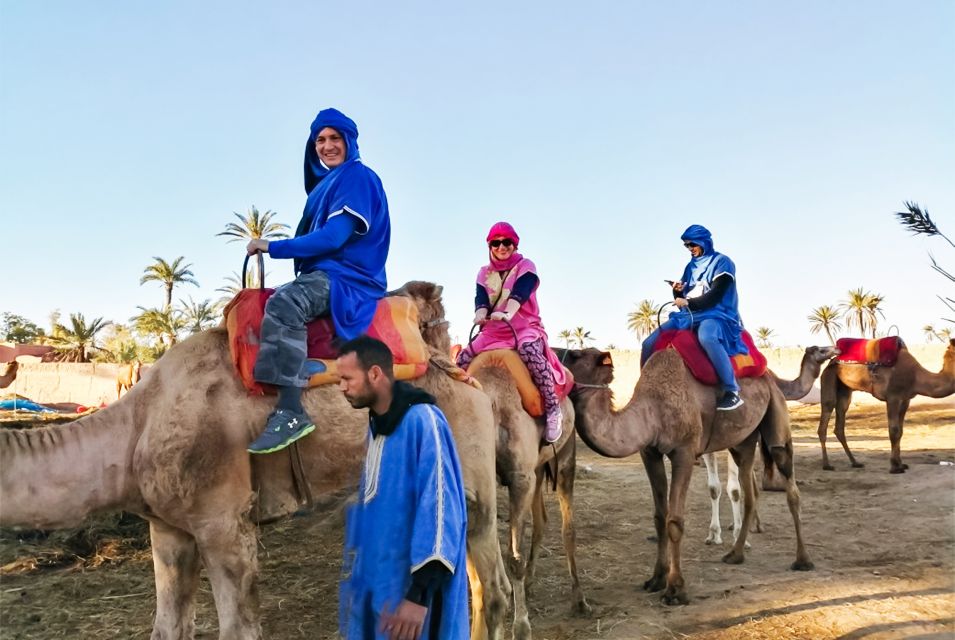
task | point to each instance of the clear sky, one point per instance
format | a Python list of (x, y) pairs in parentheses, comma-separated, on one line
[(600, 130)]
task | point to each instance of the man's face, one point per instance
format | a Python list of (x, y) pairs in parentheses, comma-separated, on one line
[(330, 147), (695, 250), (354, 383)]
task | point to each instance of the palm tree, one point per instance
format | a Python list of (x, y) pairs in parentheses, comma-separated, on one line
[(74, 341), (255, 225), (566, 336), (199, 316), (763, 334), (931, 333), (165, 324), (581, 337), (643, 320), (825, 318), (169, 275), (872, 311), (860, 309)]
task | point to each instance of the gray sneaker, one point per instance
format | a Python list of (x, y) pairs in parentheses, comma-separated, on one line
[(729, 401), (282, 429)]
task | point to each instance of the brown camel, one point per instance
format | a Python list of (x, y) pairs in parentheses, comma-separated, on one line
[(895, 385), (521, 466), (128, 376), (9, 375), (174, 451), (795, 389), (671, 414)]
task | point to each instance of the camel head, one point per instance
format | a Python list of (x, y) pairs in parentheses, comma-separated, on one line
[(431, 321), (9, 374), (589, 366), (137, 371), (819, 355)]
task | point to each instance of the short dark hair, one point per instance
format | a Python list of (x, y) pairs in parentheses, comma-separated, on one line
[(370, 351)]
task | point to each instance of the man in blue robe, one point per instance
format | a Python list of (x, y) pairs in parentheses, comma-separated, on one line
[(404, 574), (340, 248), (708, 303)]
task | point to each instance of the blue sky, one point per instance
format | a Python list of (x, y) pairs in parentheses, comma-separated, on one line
[(791, 130)]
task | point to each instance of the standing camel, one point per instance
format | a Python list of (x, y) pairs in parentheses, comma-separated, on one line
[(671, 414), (520, 467), (128, 376), (795, 389), (9, 375), (174, 451), (895, 386)]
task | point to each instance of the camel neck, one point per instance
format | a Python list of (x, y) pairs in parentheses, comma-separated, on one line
[(614, 434)]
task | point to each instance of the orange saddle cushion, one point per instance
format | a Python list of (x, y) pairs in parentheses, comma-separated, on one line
[(882, 351), (751, 365), (510, 361), (395, 323)]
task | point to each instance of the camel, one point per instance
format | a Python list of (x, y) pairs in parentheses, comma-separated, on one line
[(895, 385), (128, 376), (671, 414), (795, 389), (173, 450), (521, 466), (9, 375)]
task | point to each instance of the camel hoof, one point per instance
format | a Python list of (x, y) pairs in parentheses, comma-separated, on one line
[(654, 584), (713, 540), (898, 469), (522, 630), (674, 597), (802, 565), (858, 465), (733, 558), (583, 609), (828, 467)]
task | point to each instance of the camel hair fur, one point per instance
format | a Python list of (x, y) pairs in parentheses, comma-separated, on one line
[(895, 386), (128, 376), (173, 450), (794, 389), (521, 463), (671, 414), (9, 374)]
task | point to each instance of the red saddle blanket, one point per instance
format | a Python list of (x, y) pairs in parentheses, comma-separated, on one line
[(395, 323), (882, 351), (751, 365)]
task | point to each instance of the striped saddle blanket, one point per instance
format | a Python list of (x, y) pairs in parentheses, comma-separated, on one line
[(881, 351)]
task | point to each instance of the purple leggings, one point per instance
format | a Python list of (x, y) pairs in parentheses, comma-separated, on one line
[(534, 356)]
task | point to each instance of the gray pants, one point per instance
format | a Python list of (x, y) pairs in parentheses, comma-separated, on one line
[(282, 343)]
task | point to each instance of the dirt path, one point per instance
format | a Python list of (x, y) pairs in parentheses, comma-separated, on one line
[(883, 545)]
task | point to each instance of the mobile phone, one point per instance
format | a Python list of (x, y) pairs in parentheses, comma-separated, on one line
[(669, 282)]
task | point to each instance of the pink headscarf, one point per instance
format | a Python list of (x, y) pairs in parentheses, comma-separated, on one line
[(504, 230)]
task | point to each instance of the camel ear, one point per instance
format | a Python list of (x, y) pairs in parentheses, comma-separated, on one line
[(438, 290)]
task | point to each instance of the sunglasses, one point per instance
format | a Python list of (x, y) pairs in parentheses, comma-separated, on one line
[(690, 245), (507, 242)]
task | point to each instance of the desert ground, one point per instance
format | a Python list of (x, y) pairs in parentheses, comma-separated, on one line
[(883, 546)]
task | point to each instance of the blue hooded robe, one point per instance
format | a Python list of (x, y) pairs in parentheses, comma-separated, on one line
[(411, 510), (357, 269), (701, 272)]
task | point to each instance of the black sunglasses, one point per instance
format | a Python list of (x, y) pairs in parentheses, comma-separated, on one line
[(507, 242), (690, 245)]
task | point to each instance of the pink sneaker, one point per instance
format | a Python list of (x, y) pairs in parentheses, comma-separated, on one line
[(553, 430)]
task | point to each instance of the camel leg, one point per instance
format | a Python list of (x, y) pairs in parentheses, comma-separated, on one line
[(521, 489), (842, 406), (895, 409), (485, 571), (681, 465), (228, 549), (744, 456), (783, 457), (566, 475), (828, 382), (537, 530), (176, 566), (713, 482), (733, 489), (656, 473)]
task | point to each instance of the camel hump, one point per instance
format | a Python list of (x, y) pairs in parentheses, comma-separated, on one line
[(881, 351), (510, 361)]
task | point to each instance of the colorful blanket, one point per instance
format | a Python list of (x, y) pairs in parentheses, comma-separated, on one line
[(750, 365), (882, 351), (510, 361), (395, 323)]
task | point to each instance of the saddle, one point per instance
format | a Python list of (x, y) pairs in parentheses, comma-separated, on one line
[(751, 365), (508, 360), (882, 351), (395, 323)]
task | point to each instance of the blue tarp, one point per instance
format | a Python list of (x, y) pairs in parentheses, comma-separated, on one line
[(24, 405)]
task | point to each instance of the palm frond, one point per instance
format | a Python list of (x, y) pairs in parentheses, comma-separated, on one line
[(919, 222)]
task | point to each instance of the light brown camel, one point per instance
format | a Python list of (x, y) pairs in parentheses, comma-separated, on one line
[(521, 466), (174, 451), (9, 374), (673, 415), (795, 389), (128, 376), (895, 385)]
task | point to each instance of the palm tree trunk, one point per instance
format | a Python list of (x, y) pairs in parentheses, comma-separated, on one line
[(168, 295)]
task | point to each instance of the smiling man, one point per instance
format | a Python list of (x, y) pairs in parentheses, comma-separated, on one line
[(340, 248)]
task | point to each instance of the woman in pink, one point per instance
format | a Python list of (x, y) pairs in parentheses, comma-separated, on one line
[(506, 308)]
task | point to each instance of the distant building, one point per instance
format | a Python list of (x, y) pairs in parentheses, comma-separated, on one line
[(9, 351)]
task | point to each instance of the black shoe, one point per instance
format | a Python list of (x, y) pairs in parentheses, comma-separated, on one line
[(283, 428), (729, 401)]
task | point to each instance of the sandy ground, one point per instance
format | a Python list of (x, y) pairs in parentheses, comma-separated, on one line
[(883, 545)]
